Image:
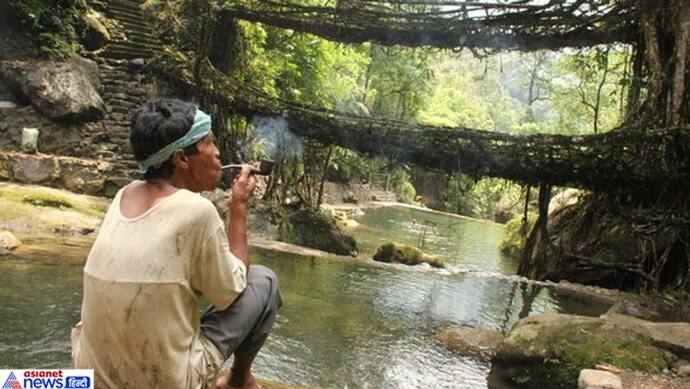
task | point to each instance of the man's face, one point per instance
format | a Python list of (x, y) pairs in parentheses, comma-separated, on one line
[(204, 167)]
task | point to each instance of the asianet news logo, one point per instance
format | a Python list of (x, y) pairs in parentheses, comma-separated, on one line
[(46, 379)]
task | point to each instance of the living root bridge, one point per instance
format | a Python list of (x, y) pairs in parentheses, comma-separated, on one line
[(635, 161), (493, 25)]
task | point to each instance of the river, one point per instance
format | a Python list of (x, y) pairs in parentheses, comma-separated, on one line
[(345, 323)]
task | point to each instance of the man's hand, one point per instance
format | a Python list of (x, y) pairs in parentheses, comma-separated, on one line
[(243, 186), (242, 190)]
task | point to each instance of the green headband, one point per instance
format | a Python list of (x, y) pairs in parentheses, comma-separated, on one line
[(200, 129)]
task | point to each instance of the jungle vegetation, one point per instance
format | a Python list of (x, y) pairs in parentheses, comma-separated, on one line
[(503, 102)]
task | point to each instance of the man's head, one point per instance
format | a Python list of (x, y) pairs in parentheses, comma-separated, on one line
[(161, 132)]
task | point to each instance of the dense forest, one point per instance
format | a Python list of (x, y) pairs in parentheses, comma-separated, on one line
[(483, 109)]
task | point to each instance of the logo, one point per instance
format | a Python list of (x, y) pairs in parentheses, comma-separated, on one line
[(47, 379), (12, 382)]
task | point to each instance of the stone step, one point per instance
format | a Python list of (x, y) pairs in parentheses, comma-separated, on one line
[(115, 76), (130, 23), (125, 65), (127, 20), (122, 104), (133, 45), (130, 100), (127, 3), (117, 95), (139, 38), (119, 53), (124, 8), (144, 52), (115, 9), (131, 103), (144, 37), (383, 196), (117, 89), (115, 124), (121, 77), (110, 82)]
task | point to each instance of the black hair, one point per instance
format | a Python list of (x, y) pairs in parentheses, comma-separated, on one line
[(156, 124)]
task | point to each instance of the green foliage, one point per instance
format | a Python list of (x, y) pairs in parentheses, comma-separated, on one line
[(56, 25), (479, 199), (44, 201), (349, 166), (515, 93), (454, 104), (317, 230), (575, 84), (401, 185), (623, 350), (396, 82), (516, 234)]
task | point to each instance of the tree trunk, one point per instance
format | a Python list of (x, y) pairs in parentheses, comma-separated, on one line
[(597, 102), (677, 106), (323, 176), (534, 255)]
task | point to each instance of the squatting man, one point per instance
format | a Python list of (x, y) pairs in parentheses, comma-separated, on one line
[(161, 246)]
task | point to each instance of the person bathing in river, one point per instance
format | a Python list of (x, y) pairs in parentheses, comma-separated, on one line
[(160, 247)]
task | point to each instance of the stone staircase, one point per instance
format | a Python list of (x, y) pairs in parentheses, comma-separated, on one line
[(121, 66), (134, 38), (101, 159)]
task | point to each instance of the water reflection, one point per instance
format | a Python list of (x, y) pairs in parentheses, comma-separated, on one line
[(465, 244), (344, 323)]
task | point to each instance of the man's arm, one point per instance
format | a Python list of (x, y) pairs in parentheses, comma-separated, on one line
[(242, 190)]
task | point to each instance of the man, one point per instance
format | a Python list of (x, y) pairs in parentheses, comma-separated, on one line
[(160, 247)]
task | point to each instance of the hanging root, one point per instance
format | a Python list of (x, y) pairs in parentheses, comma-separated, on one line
[(613, 242)]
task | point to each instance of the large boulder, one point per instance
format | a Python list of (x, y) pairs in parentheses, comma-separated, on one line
[(350, 197), (8, 242), (316, 230), (59, 90), (82, 176), (597, 379), (563, 200), (96, 34), (35, 169), (552, 349), (407, 255), (474, 342)]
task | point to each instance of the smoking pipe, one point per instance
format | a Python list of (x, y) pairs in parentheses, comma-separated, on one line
[(264, 169)]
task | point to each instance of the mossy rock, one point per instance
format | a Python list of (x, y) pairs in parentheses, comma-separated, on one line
[(516, 235), (316, 230), (407, 255), (550, 350), (31, 210), (476, 342)]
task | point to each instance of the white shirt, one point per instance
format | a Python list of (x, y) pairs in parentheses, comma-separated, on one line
[(140, 313)]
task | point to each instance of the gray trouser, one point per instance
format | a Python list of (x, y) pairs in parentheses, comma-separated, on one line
[(242, 328)]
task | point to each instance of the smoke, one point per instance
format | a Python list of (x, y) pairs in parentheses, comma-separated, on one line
[(273, 138)]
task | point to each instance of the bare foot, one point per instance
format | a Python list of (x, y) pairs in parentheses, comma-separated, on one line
[(226, 382)]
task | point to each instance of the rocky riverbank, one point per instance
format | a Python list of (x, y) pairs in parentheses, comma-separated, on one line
[(639, 339)]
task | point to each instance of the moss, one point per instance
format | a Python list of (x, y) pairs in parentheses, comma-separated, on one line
[(41, 201), (407, 255), (40, 208), (56, 25), (316, 230), (584, 345), (516, 235)]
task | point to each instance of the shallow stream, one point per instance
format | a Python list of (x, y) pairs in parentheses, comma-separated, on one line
[(345, 323)]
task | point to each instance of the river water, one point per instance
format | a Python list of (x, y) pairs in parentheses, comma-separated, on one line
[(345, 323)]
